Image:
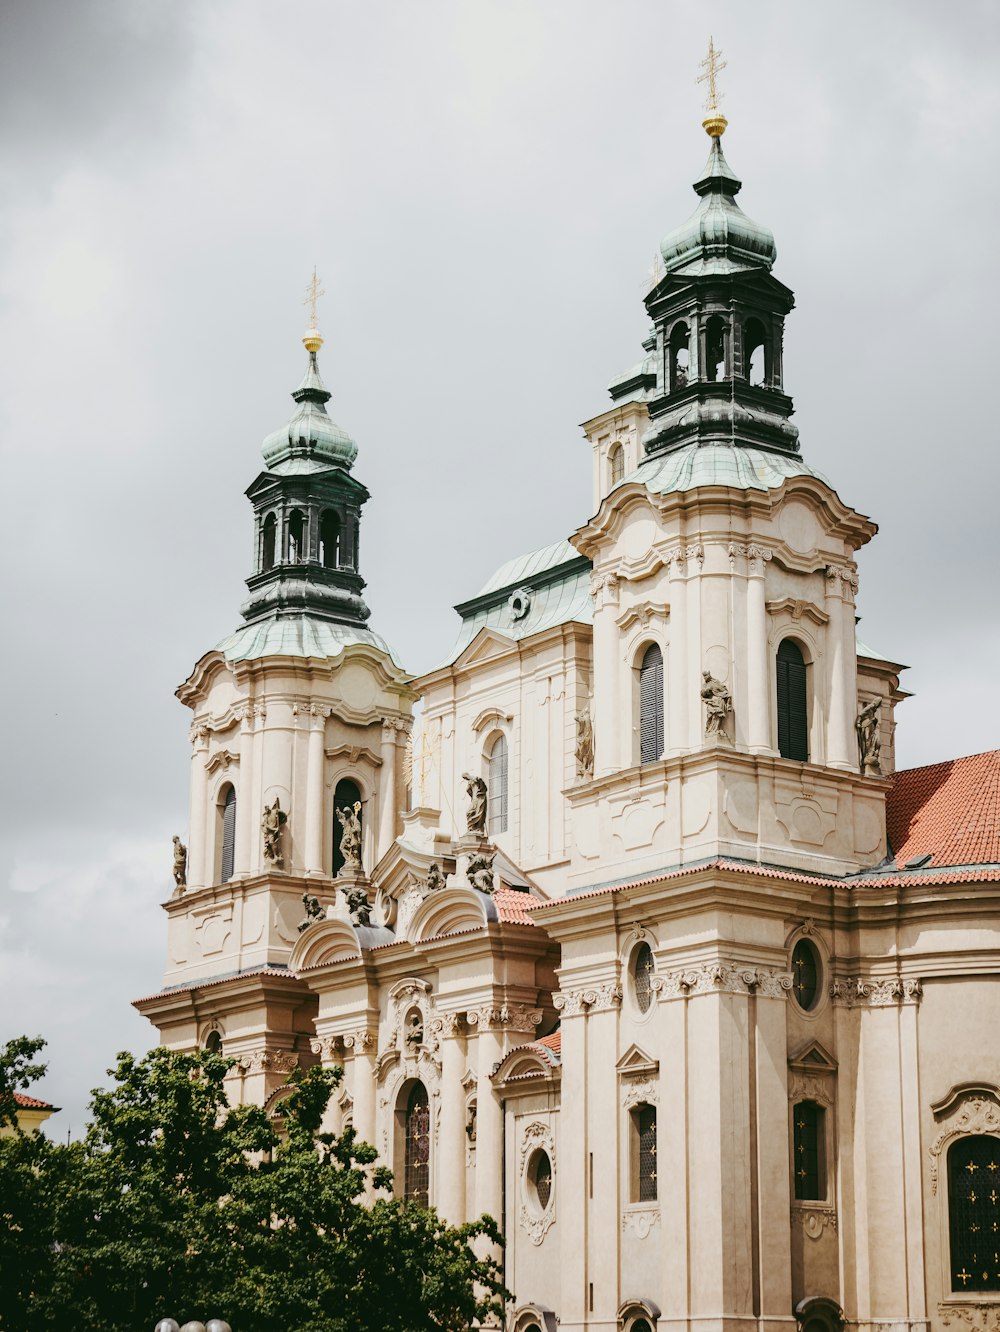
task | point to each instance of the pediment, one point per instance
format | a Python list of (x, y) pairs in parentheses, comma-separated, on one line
[(636, 1060), (812, 1058), (487, 643), (328, 941)]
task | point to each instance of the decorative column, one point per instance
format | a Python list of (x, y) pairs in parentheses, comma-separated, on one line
[(840, 584), (253, 798), (363, 1082), (489, 1117), (450, 1156), (387, 800), (758, 712), (608, 721), (315, 792), (676, 664), (695, 711), (244, 810), (199, 871)]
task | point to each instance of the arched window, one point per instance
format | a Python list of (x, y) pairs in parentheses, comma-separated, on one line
[(616, 460), (329, 540), (496, 785), (643, 1153), (416, 1162), (642, 975), (296, 537), (809, 1150), (679, 356), (754, 352), (213, 1041), (715, 348), (793, 710), (267, 543), (228, 810), (974, 1212), (346, 796), (651, 705)]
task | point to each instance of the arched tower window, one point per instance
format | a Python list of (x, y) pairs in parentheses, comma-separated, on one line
[(973, 1212), (496, 785), (329, 540), (715, 348), (651, 705), (679, 356), (346, 796), (616, 460), (809, 1150), (268, 536), (793, 709), (754, 352), (416, 1161), (228, 830), (296, 537), (213, 1041)]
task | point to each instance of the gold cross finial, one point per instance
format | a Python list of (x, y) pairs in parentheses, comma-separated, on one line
[(314, 291), (715, 122)]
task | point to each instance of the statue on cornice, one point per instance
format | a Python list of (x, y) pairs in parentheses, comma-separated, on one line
[(584, 745), (435, 877), (272, 825), (314, 912), (180, 864), (475, 814), (358, 905), (349, 819), (869, 728), (479, 872), (718, 705)]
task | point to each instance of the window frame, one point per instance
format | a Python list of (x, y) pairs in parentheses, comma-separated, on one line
[(807, 689), (493, 740), (640, 657), (961, 1294), (635, 1148)]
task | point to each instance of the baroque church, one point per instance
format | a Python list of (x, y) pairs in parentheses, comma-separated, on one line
[(641, 944)]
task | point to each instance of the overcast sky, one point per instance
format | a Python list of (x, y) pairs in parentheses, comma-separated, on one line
[(482, 186)]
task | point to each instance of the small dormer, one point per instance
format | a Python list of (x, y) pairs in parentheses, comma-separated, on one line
[(615, 438)]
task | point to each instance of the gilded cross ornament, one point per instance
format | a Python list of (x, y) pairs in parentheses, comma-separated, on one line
[(312, 339), (715, 122)]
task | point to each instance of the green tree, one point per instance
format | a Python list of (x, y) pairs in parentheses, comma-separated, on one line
[(176, 1203)]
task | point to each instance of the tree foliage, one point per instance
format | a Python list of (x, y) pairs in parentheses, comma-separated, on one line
[(175, 1203)]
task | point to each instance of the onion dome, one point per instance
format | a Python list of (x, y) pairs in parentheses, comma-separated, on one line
[(310, 434), (718, 237)]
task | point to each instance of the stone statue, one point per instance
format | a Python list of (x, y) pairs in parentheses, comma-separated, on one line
[(480, 873), (435, 877), (350, 839), (358, 905), (718, 705), (272, 825), (584, 745), (180, 864), (475, 815), (869, 729), (470, 1122), (414, 1030), (314, 912)]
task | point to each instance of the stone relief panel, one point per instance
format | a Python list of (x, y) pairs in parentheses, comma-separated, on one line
[(813, 1221), (640, 1221), (875, 991), (721, 977)]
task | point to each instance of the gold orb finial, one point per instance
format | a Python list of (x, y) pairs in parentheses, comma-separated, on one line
[(715, 122), (312, 339)]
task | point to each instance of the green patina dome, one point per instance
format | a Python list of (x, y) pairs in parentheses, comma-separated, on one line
[(310, 434), (718, 237)]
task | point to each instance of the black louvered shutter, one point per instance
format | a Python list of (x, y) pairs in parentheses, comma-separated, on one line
[(793, 709), (651, 705), (228, 835)]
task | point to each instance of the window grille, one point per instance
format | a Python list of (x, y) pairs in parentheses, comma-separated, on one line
[(805, 974), (974, 1213), (346, 796), (228, 835), (543, 1179), (651, 705), (807, 1150), (793, 710), (416, 1169), (645, 1124), (643, 977), (496, 785)]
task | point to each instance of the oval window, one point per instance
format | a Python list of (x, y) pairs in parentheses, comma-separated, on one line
[(540, 1180), (805, 975), (642, 975)]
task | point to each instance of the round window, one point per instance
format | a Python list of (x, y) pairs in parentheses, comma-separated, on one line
[(805, 975), (642, 976), (540, 1180)]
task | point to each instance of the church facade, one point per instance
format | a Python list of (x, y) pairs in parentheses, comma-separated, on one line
[(640, 944)]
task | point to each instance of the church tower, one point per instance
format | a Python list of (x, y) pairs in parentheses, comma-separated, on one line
[(300, 720)]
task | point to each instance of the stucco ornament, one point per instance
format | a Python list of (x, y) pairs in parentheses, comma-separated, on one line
[(716, 977), (869, 738), (974, 1115), (349, 819), (519, 603), (875, 991), (584, 745), (814, 1220), (532, 1216), (981, 1317), (180, 864), (435, 877), (475, 814), (314, 912), (718, 705), (272, 826)]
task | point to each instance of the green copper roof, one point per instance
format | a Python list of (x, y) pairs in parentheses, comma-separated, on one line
[(524, 566), (743, 468), (299, 636), (310, 434), (718, 237)]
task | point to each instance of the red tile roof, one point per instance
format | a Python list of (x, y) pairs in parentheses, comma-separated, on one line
[(32, 1102), (513, 906), (948, 810), (553, 1041)]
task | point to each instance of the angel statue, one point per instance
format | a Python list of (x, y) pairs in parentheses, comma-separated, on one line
[(349, 819), (314, 911), (358, 905), (475, 814), (718, 705), (870, 739), (180, 863), (272, 825)]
